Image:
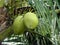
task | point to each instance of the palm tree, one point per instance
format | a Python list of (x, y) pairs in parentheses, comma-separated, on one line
[(48, 30)]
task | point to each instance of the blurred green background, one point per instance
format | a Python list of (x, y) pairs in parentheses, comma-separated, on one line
[(48, 13)]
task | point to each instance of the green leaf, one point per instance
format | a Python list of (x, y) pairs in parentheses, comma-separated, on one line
[(1, 3)]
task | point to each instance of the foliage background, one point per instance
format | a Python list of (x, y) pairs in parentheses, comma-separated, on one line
[(48, 30)]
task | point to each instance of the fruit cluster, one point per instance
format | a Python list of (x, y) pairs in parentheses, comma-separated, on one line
[(29, 20)]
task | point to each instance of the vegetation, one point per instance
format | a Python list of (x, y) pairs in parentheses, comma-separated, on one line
[(47, 31)]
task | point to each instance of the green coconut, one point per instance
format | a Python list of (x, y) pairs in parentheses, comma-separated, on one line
[(18, 25), (30, 20)]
